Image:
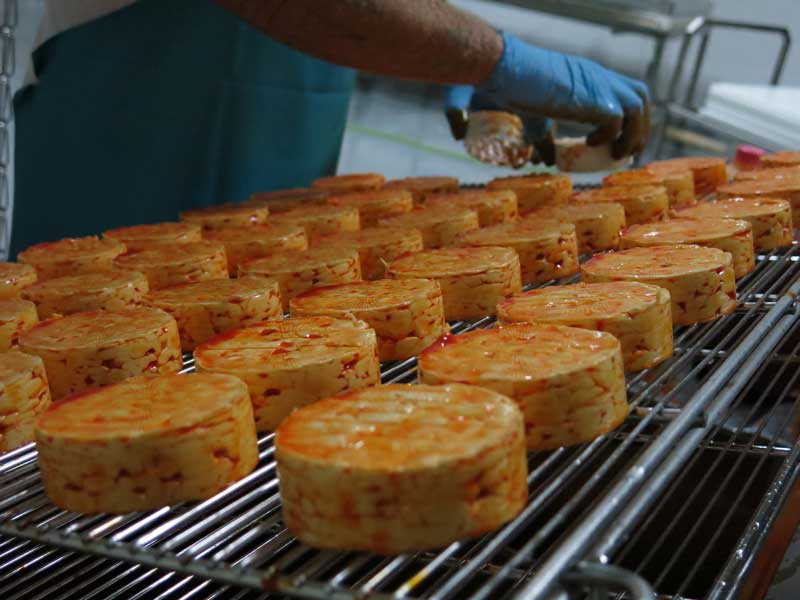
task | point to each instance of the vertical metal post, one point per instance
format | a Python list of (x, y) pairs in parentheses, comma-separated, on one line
[(7, 65)]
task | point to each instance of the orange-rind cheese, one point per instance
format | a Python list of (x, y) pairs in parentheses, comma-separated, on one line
[(375, 205), (734, 236), (638, 315), (111, 290), (320, 220), (246, 243), (102, 347), (770, 218), (139, 237), (16, 317), (679, 184), (401, 468), (72, 256), (473, 280), (709, 172), (208, 308), (439, 225), (766, 174), (14, 277), (493, 206), (642, 204), (786, 158), (213, 218), (375, 246), (299, 271), (349, 182), (700, 280), (597, 226), (279, 201), (147, 442), (407, 315), (422, 188), (535, 191), (568, 382), (292, 363), (547, 249), (169, 265), (785, 189), (24, 395)]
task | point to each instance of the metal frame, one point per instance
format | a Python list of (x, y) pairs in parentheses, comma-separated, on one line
[(7, 67)]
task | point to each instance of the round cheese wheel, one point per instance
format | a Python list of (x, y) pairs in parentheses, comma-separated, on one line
[(140, 237), (439, 225), (146, 442), (546, 249), (72, 256), (569, 382), (638, 315), (535, 191), (642, 204), (111, 290), (473, 280), (226, 215), (785, 189), (734, 236), (291, 363), (376, 246), (101, 347), (320, 220), (169, 265), (299, 271), (764, 174), (246, 243), (770, 218), (374, 205), (16, 317), (207, 308), (679, 183), (350, 182), (709, 172), (700, 280), (493, 206), (24, 395), (279, 201), (422, 188), (14, 277), (787, 158), (597, 226), (406, 315), (428, 465)]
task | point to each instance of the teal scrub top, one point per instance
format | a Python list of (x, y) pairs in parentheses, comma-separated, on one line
[(163, 106)]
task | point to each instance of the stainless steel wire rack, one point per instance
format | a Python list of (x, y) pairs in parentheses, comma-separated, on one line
[(682, 495)]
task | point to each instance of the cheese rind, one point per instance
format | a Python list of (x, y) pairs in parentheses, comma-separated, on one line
[(72, 256), (709, 172), (597, 226), (375, 246), (14, 277), (679, 184), (16, 317), (401, 468), (214, 218), (248, 243), (292, 363), (422, 188), (473, 280), (638, 315), (568, 382), (493, 206), (700, 280), (349, 182), (320, 220), (207, 308), (169, 265), (642, 204), (376, 204), (535, 191), (785, 189), (140, 237), (24, 395), (98, 348), (407, 315), (146, 442), (439, 225)]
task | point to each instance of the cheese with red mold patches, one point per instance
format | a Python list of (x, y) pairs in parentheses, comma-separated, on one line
[(140, 237), (279, 201), (493, 206), (439, 225), (770, 218), (207, 308), (473, 280), (169, 265), (14, 277), (96, 348), (292, 363), (734, 236), (214, 218), (679, 184), (785, 189), (111, 290), (72, 256), (147, 442), (638, 315), (350, 182), (407, 315), (547, 249), (16, 317), (642, 204), (422, 188), (568, 382), (375, 246), (24, 395), (700, 280), (320, 220), (401, 468), (709, 172), (535, 191), (299, 271), (767, 174), (375, 205), (597, 226), (786, 158), (248, 243)]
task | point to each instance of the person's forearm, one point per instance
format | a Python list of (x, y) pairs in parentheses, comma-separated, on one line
[(426, 40)]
